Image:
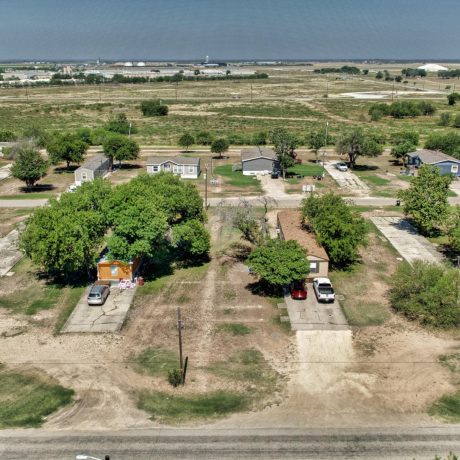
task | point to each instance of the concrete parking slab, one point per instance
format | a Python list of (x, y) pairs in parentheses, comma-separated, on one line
[(5, 171), (310, 315), (406, 240), (9, 252), (347, 179), (106, 318)]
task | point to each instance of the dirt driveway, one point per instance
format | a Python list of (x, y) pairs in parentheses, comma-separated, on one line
[(9, 253)]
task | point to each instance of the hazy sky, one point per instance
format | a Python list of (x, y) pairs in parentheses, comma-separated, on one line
[(229, 29)]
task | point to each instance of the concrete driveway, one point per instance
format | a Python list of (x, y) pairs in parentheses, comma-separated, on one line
[(5, 171), (310, 315), (106, 318), (406, 240), (9, 252), (347, 179)]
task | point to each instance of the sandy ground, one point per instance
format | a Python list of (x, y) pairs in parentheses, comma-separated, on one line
[(374, 376)]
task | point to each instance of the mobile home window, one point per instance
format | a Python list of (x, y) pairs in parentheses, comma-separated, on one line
[(114, 270), (84, 176), (454, 169), (314, 267), (191, 169), (155, 168)]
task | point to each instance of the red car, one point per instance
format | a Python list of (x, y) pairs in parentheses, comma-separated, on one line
[(298, 290)]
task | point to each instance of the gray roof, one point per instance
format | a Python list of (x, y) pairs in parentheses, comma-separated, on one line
[(94, 162), (257, 152), (176, 160), (432, 156)]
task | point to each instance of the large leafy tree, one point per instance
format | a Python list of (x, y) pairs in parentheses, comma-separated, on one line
[(316, 140), (285, 144), (186, 140), (448, 142), (220, 146), (191, 240), (404, 142), (357, 143), (154, 108), (336, 226), (67, 147), (28, 166), (119, 147), (279, 262), (426, 198)]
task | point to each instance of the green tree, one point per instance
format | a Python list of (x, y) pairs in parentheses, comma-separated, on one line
[(285, 144), (191, 240), (357, 143), (121, 125), (444, 119), (448, 142), (456, 122), (336, 226), (316, 140), (379, 75), (204, 138), (403, 143), (119, 147), (279, 262), (7, 136), (37, 135), (452, 226), (452, 98), (220, 146), (260, 138), (427, 292), (28, 166), (67, 147), (154, 108), (186, 140), (426, 198)]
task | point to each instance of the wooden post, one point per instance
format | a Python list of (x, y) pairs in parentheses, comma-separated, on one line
[(179, 328)]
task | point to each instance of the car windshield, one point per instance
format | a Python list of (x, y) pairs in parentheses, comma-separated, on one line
[(95, 295)]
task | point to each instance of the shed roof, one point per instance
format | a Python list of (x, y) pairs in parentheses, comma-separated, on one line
[(192, 161), (94, 162), (432, 156), (257, 152), (290, 223)]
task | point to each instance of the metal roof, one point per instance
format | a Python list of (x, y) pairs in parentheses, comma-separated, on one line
[(94, 162), (432, 156), (176, 160), (257, 152)]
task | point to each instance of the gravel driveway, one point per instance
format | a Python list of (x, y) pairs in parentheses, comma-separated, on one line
[(347, 179)]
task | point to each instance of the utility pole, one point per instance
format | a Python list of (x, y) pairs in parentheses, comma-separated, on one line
[(206, 187), (177, 84), (325, 141), (129, 132), (181, 360), (251, 92)]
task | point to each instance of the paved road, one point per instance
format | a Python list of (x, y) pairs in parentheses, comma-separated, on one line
[(367, 444), (406, 240)]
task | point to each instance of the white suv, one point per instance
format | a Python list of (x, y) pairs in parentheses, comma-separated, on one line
[(323, 290)]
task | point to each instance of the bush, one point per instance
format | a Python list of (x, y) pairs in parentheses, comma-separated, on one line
[(446, 142), (456, 123), (444, 119), (204, 138), (428, 293), (7, 136), (175, 377), (154, 108)]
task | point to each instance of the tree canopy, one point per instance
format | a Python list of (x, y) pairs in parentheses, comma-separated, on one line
[(426, 198), (279, 262), (119, 147), (186, 140), (121, 125), (285, 144), (403, 143), (448, 142), (154, 108), (220, 146), (67, 147), (28, 166), (357, 143), (336, 226)]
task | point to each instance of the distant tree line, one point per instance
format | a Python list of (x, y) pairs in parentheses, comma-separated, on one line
[(412, 73), (351, 70), (454, 73), (401, 109)]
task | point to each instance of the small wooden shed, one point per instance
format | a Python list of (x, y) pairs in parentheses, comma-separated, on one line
[(116, 270)]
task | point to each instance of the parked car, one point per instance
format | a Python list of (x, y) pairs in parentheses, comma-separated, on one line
[(98, 294), (341, 166), (275, 174), (298, 290), (323, 290), (72, 188)]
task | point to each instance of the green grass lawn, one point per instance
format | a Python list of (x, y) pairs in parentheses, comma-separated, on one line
[(447, 407), (306, 169), (26, 399), (236, 178), (375, 180), (28, 196)]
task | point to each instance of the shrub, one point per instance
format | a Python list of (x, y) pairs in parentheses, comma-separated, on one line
[(154, 108), (444, 119), (175, 377), (7, 136), (427, 292)]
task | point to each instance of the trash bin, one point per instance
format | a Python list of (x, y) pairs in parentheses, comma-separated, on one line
[(398, 202), (140, 281)]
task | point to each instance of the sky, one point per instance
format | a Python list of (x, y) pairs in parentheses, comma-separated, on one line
[(229, 29)]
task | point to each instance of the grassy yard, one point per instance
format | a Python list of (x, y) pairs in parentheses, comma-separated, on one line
[(236, 178), (156, 361), (306, 169), (234, 328), (28, 196), (26, 399)]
